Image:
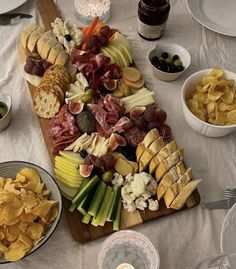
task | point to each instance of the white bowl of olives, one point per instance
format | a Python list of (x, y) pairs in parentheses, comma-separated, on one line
[(5, 110), (169, 61)]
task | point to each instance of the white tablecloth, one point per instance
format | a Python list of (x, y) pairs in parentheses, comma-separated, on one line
[(182, 239)]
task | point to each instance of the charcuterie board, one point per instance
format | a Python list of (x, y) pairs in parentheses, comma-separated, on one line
[(82, 232)]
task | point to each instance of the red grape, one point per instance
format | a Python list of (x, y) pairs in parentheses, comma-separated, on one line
[(46, 65), (29, 66), (165, 131), (95, 49), (150, 114), (108, 161), (37, 70), (140, 123), (103, 40), (153, 124), (93, 40), (105, 30), (161, 116)]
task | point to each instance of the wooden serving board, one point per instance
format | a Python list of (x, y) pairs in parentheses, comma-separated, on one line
[(82, 232)]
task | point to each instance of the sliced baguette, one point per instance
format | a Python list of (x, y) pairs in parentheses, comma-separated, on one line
[(42, 40), (150, 152), (182, 197), (47, 46), (176, 188), (54, 52), (169, 162), (163, 154), (169, 178), (140, 150), (26, 33), (62, 58), (34, 37)]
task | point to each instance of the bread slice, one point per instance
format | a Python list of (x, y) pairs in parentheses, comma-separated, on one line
[(62, 58), (54, 52), (150, 152), (48, 45), (176, 188), (42, 40), (163, 154), (182, 197), (169, 162), (34, 37), (26, 33), (139, 151), (169, 178), (46, 103)]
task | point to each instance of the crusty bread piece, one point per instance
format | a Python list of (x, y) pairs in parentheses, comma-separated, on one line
[(26, 33), (42, 40), (62, 58), (53, 87), (150, 152), (139, 151), (54, 52), (34, 37), (46, 103), (163, 154), (182, 197), (176, 188), (150, 137), (167, 163), (47, 46), (169, 178)]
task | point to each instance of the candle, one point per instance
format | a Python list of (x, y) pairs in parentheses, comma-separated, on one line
[(125, 266)]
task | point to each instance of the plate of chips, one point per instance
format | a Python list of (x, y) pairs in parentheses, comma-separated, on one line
[(30, 209), (209, 102)]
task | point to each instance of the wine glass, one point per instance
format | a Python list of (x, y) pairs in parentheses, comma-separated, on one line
[(221, 261)]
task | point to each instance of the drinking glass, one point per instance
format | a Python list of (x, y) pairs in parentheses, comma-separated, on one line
[(221, 261)]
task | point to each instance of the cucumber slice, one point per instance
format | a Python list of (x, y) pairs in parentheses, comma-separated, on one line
[(116, 224), (85, 190), (86, 219), (115, 203), (97, 199), (73, 207), (97, 219), (84, 205), (106, 210)]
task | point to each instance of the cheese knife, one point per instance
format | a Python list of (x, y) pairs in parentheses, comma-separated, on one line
[(11, 18), (221, 204)]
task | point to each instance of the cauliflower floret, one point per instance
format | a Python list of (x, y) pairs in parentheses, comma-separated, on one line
[(152, 186), (127, 199), (130, 207), (153, 205), (146, 195), (129, 178), (118, 180), (141, 203), (138, 186)]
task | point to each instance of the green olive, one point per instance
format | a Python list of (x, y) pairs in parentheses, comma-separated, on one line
[(168, 60), (90, 91), (107, 176), (178, 62), (118, 93), (86, 98), (127, 91)]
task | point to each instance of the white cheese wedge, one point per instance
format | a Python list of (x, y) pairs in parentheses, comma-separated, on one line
[(142, 102)]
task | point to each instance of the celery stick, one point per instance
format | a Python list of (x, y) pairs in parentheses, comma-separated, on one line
[(97, 199), (106, 210), (84, 205), (116, 224), (115, 202), (86, 219), (73, 207)]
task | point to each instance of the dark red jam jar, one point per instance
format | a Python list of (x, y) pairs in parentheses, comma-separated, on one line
[(152, 18)]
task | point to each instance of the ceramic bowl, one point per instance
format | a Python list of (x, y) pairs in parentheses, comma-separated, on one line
[(130, 248), (198, 125), (172, 49), (5, 121), (10, 169)]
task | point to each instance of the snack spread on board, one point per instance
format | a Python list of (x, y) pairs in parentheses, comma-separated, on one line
[(113, 149), (26, 213)]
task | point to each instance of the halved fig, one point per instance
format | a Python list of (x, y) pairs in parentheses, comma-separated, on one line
[(115, 141), (85, 170), (136, 112), (110, 84), (76, 107)]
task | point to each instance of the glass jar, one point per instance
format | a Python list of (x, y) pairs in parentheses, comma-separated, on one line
[(152, 18)]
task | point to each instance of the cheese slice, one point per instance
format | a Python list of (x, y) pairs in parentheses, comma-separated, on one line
[(142, 91), (142, 102), (139, 97), (98, 145), (26, 33)]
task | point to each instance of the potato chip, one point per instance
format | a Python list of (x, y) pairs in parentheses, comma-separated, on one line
[(225, 107), (220, 118), (228, 97), (35, 231), (25, 213), (199, 97), (217, 72), (232, 116), (211, 107), (207, 79)]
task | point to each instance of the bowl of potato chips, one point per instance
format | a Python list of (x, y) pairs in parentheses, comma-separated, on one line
[(209, 102), (30, 209)]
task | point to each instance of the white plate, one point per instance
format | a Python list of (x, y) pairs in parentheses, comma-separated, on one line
[(8, 5), (217, 15), (228, 232)]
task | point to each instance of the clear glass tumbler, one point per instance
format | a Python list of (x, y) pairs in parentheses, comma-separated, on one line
[(89, 9), (221, 261)]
